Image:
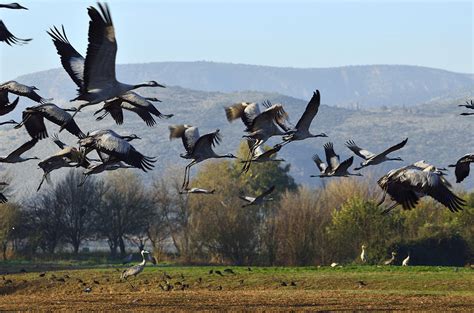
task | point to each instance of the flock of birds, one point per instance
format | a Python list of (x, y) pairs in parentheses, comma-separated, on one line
[(96, 83)]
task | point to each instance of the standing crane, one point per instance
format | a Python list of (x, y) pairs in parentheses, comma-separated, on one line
[(406, 261), (136, 269), (198, 148), (391, 261), (363, 256)]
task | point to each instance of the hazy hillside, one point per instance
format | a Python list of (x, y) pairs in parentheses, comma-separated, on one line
[(437, 133), (366, 86)]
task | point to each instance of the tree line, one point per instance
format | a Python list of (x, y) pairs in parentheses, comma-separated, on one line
[(301, 226)]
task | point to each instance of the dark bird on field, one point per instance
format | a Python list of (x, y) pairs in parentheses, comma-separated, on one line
[(260, 199), (333, 168), (219, 273), (229, 271), (18, 89), (198, 148), (361, 283), (15, 156), (301, 131), (462, 167), (406, 185), (374, 159)]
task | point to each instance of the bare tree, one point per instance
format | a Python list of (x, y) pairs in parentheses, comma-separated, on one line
[(125, 211)]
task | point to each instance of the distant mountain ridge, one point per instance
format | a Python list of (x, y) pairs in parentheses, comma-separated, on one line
[(363, 86), (436, 132)]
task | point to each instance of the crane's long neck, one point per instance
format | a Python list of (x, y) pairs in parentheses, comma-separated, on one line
[(318, 135), (143, 260)]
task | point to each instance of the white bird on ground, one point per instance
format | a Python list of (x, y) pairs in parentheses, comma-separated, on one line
[(406, 261), (406, 185), (363, 256), (391, 261), (374, 159)]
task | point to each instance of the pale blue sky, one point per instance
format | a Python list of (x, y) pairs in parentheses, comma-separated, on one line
[(279, 33)]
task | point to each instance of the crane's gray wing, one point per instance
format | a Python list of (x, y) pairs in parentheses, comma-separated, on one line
[(310, 111), (332, 158), (267, 192), (124, 151), (34, 124), (365, 154), (319, 163), (23, 148), (57, 141), (72, 61), (344, 166), (396, 147), (206, 142), (434, 185), (7, 37), (99, 66), (462, 167)]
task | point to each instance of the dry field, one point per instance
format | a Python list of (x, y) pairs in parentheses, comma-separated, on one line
[(258, 289)]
